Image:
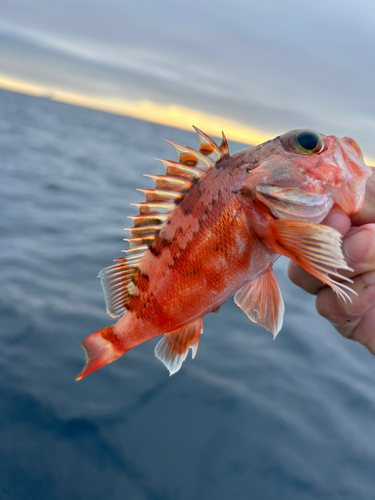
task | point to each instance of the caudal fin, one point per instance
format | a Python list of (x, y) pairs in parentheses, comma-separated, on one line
[(100, 350)]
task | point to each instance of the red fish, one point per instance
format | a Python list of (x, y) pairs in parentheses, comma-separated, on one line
[(213, 227)]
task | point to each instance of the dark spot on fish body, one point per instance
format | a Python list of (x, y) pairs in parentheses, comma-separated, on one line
[(246, 193), (219, 192), (186, 209), (165, 243), (141, 281), (136, 305), (156, 252), (109, 334), (213, 202), (192, 272), (190, 201), (198, 190), (221, 249), (254, 163), (159, 245), (224, 163), (206, 211)]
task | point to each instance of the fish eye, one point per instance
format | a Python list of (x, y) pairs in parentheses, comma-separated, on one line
[(306, 142)]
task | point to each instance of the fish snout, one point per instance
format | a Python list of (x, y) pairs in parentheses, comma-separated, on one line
[(351, 146), (350, 195)]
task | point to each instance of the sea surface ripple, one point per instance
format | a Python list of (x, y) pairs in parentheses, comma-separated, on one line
[(249, 418)]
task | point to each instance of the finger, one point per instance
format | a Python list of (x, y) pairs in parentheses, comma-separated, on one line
[(337, 219), (346, 315), (367, 214), (359, 249), (362, 331)]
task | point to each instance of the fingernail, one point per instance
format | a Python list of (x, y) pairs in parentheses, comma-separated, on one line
[(358, 245), (369, 278)]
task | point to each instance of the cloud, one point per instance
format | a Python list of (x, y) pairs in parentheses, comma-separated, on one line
[(271, 66)]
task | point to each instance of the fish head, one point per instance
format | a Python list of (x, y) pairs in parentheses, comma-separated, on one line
[(302, 174)]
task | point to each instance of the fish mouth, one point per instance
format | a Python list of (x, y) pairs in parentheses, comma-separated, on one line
[(289, 203)]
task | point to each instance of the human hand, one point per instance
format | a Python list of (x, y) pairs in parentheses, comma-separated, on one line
[(356, 320)]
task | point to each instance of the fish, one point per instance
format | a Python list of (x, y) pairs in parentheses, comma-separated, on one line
[(213, 227)]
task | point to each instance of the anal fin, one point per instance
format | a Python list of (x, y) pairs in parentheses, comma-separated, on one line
[(262, 302), (173, 348)]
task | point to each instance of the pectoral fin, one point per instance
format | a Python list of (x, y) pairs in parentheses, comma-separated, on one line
[(262, 302), (316, 248), (173, 348)]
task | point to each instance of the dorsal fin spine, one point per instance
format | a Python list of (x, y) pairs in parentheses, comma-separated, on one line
[(190, 152), (176, 168), (224, 145), (207, 145), (159, 195), (138, 242), (143, 231), (136, 250), (149, 220), (177, 183), (154, 208)]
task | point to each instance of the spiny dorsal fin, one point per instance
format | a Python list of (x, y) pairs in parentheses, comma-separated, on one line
[(170, 189)]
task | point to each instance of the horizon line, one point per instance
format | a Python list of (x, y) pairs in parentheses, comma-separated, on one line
[(168, 115)]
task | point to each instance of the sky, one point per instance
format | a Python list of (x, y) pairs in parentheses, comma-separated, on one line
[(254, 69)]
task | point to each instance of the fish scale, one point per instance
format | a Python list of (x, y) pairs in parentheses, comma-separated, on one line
[(213, 227)]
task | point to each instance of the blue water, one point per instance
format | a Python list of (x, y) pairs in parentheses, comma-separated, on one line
[(249, 418)]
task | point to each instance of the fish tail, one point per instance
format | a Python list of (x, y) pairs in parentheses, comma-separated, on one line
[(101, 348)]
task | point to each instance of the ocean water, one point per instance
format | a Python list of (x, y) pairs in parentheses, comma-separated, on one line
[(249, 418)]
